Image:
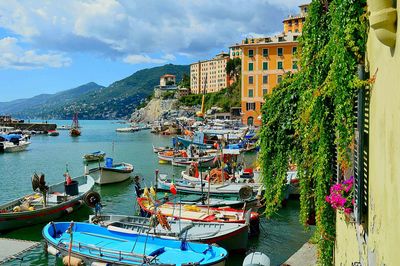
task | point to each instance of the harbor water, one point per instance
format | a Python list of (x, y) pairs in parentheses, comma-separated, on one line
[(280, 236)]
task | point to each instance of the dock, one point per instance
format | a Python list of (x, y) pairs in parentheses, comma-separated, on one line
[(14, 248), (305, 256)]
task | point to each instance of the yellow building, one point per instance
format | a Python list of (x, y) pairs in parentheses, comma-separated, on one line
[(209, 75), (264, 62), (295, 23), (373, 238)]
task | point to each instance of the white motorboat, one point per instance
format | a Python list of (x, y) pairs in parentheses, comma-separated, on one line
[(13, 143), (111, 172)]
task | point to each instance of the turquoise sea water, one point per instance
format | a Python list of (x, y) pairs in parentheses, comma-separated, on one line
[(280, 237)]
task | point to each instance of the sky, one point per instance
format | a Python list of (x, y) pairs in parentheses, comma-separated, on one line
[(49, 46)]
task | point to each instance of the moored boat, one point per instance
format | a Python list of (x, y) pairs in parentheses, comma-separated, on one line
[(13, 143), (94, 156), (111, 172), (75, 131), (53, 133), (201, 213), (162, 149), (196, 187), (60, 200), (95, 244), (231, 236)]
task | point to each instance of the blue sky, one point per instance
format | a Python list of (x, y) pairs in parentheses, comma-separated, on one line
[(50, 46)]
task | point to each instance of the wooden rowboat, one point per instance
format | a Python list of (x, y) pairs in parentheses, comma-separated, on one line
[(29, 210), (201, 213)]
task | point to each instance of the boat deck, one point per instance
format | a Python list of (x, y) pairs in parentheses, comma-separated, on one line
[(13, 248)]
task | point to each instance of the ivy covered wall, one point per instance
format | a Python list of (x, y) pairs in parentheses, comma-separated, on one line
[(310, 114)]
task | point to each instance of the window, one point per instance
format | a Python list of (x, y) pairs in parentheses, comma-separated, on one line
[(294, 50), (279, 79), (280, 39), (237, 53), (251, 80), (250, 66), (265, 52), (233, 53), (296, 30), (251, 93), (294, 65), (250, 106), (265, 65), (280, 51), (280, 65), (295, 38), (251, 53), (265, 91), (265, 79)]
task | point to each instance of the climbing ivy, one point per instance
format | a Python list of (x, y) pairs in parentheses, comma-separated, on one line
[(310, 114)]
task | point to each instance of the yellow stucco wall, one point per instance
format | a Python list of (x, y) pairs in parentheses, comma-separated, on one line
[(382, 245)]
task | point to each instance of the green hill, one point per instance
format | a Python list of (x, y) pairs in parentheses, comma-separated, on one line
[(115, 101)]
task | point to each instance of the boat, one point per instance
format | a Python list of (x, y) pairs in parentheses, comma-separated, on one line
[(196, 187), (94, 156), (96, 245), (231, 236), (75, 131), (162, 149), (111, 172), (186, 142), (13, 143), (233, 201), (60, 199), (64, 127), (53, 133), (256, 259), (186, 157), (127, 129), (201, 213)]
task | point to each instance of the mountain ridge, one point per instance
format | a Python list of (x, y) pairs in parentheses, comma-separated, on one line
[(93, 101)]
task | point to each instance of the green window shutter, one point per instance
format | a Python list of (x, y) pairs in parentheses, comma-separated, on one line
[(280, 65), (250, 66), (265, 65)]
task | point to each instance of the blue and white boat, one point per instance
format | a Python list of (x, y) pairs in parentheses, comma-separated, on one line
[(13, 143), (111, 172), (91, 243)]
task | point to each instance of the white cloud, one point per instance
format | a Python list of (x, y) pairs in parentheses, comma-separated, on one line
[(142, 59), (12, 56), (134, 29)]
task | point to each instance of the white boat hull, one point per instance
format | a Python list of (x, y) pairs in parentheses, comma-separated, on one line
[(104, 175), (11, 147)]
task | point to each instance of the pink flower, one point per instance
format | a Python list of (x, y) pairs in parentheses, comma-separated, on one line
[(347, 210)]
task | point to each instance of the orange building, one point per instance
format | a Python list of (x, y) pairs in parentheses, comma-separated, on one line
[(264, 62)]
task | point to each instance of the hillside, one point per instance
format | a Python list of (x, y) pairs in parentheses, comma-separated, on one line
[(225, 99), (93, 101)]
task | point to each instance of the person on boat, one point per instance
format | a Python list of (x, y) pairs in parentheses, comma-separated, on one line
[(136, 179)]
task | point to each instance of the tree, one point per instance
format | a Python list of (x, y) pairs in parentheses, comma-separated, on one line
[(234, 68), (185, 82)]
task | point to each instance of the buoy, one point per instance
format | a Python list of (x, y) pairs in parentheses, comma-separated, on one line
[(256, 259), (69, 210), (53, 251), (73, 262), (172, 188)]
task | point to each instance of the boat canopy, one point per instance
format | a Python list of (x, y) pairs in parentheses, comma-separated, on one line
[(9, 137)]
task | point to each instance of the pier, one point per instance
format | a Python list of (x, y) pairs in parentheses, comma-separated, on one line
[(305, 256), (31, 126), (14, 248)]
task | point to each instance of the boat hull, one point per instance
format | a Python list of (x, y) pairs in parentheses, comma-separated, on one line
[(93, 243), (233, 237), (10, 220), (104, 175), (23, 145)]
